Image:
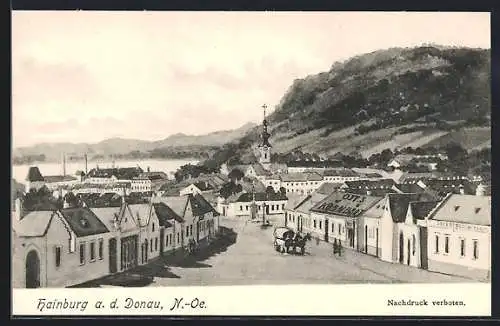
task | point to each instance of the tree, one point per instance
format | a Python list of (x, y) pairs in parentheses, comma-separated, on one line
[(270, 190), (283, 191), (236, 174)]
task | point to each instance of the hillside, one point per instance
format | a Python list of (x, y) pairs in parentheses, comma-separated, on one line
[(395, 98), (174, 146)]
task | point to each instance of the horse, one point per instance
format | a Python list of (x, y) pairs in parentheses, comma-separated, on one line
[(300, 242)]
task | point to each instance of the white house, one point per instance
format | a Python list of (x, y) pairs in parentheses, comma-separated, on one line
[(59, 248), (459, 236), (301, 183), (394, 243)]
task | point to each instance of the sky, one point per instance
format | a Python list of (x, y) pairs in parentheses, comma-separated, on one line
[(87, 76)]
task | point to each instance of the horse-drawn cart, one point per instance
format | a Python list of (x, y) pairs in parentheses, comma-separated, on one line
[(285, 238)]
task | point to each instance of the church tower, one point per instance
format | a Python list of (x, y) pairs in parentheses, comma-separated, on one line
[(265, 146)]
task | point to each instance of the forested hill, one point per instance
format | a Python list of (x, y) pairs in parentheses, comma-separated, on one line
[(394, 98)]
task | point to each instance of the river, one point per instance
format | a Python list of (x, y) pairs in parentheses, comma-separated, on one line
[(19, 172)]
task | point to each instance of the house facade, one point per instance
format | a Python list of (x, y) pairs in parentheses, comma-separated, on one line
[(60, 248), (459, 236), (337, 217)]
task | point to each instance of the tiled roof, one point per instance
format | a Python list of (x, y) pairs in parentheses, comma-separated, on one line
[(107, 215), (407, 176), (467, 209), (58, 178), (419, 210), (119, 173), (399, 203), (178, 204), (301, 177), (372, 192), (259, 170), (345, 204), (408, 188), (83, 221), (329, 187), (377, 210), (310, 202), (294, 200), (34, 174), (315, 164), (370, 184), (154, 175), (341, 173), (33, 224), (260, 196), (141, 212), (165, 214), (200, 206)]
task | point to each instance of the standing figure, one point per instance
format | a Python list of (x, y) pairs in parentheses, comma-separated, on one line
[(340, 248), (335, 247)]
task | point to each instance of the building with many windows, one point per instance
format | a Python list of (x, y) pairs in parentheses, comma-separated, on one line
[(459, 236)]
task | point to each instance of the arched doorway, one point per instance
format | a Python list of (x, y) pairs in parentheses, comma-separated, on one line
[(408, 252), (366, 238), (32, 270), (401, 248)]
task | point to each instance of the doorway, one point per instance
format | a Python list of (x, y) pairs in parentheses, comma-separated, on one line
[(401, 248), (326, 230), (366, 239), (408, 252), (32, 270), (112, 255)]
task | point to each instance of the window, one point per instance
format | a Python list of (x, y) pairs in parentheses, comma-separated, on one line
[(314, 223), (153, 227), (462, 247), (246, 207), (58, 255), (320, 225), (475, 250), (447, 244), (92, 251), (151, 245), (241, 208), (82, 253), (437, 244), (178, 238), (187, 231), (333, 227), (156, 244), (283, 206), (414, 246), (101, 249), (191, 229)]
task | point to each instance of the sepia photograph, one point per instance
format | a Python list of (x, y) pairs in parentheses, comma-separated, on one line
[(187, 149)]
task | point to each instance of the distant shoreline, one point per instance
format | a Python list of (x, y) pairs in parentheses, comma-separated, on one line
[(108, 161)]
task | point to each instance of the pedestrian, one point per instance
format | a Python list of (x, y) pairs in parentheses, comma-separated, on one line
[(340, 248), (334, 247)]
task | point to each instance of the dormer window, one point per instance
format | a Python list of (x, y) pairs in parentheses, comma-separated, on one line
[(456, 208), (477, 210), (84, 223)]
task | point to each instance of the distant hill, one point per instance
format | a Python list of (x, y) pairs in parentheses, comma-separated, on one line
[(394, 98), (173, 146)]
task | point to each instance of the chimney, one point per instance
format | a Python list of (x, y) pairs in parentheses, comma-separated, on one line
[(86, 162), (64, 164), (19, 213), (149, 169), (480, 190), (461, 189)]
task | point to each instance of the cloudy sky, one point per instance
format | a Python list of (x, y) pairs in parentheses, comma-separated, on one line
[(87, 76)]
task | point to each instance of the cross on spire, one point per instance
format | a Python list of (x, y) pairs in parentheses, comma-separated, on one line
[(264, 106)]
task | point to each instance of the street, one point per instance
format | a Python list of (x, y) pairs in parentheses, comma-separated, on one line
[(253, 260)]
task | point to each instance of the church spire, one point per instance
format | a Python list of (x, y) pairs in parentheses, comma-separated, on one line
[(265, 134)]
